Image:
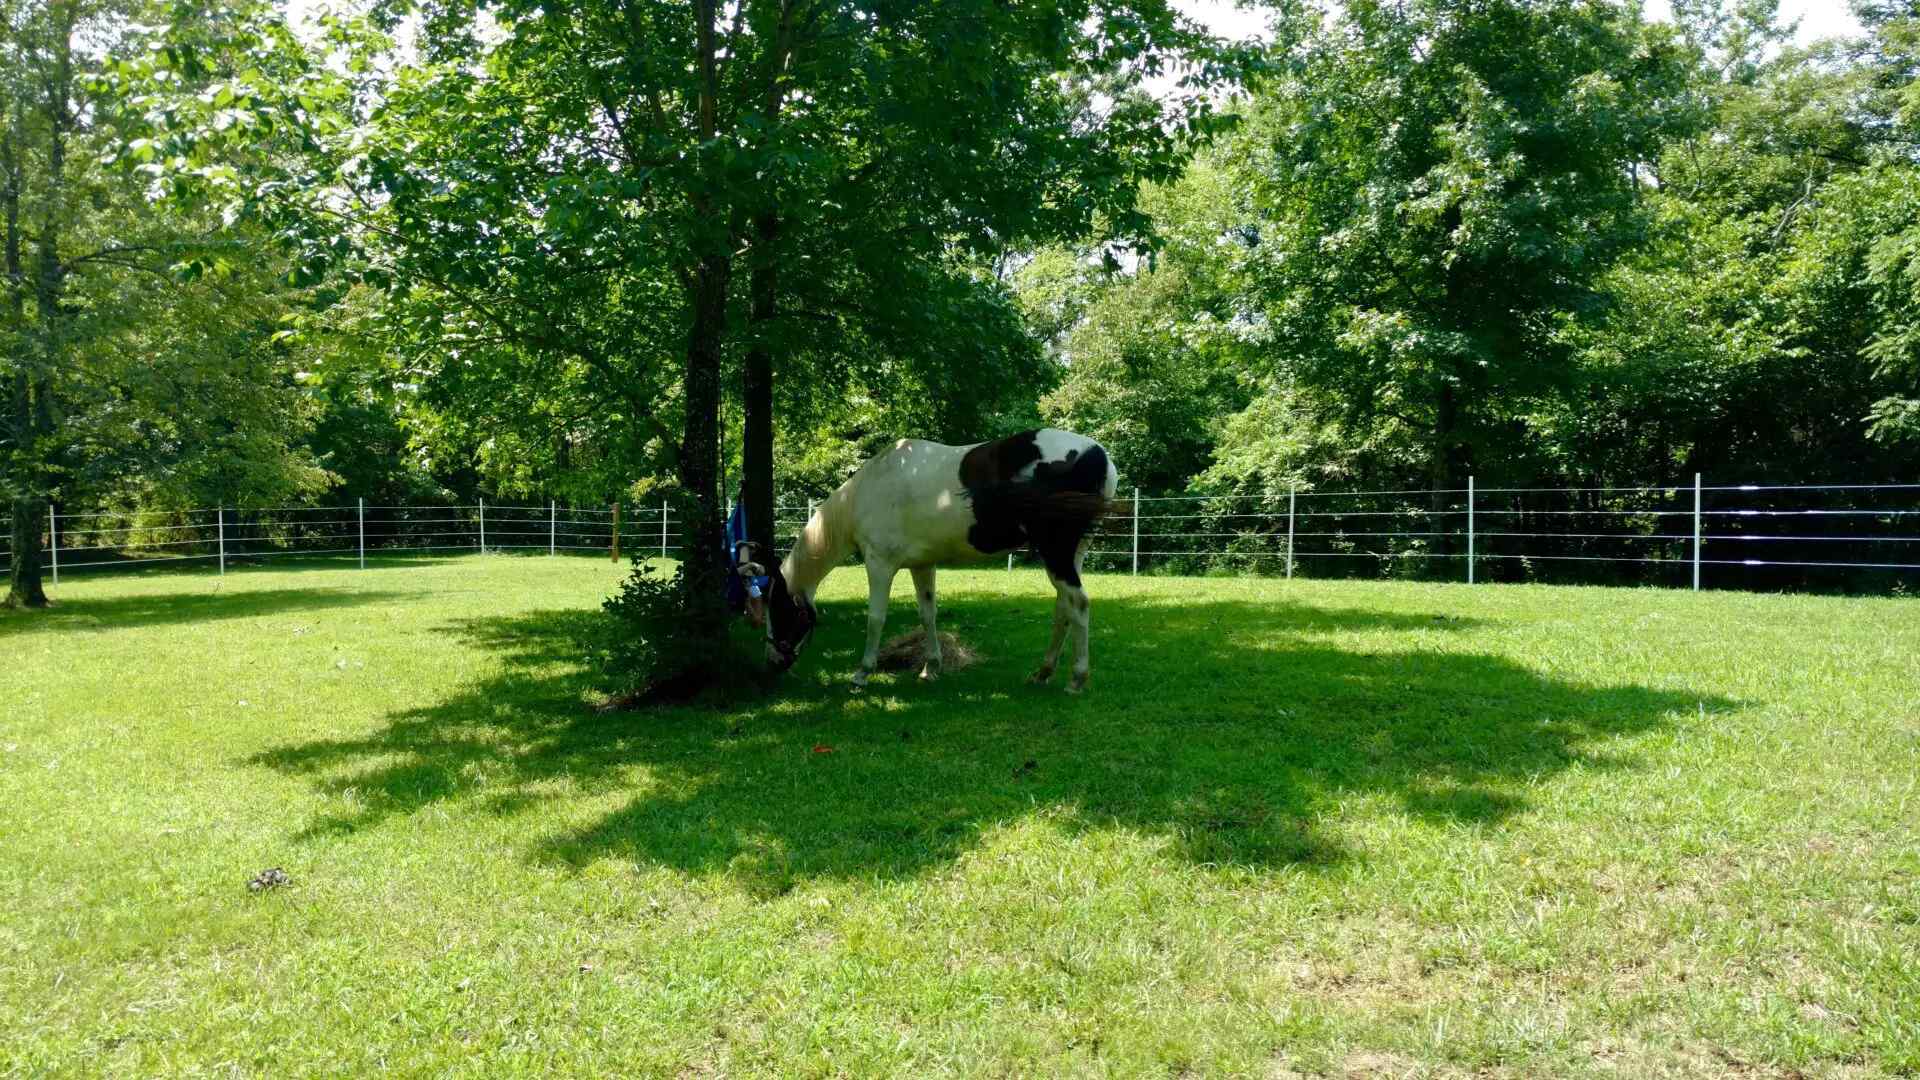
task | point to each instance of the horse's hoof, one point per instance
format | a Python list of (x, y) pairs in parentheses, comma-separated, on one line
[(1078, 684), (859, 680), (1041, 677), (929, 674)]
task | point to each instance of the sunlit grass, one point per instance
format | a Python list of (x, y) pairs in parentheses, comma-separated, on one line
[(1295, 827)]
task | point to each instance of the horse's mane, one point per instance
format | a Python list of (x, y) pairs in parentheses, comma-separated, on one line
[(824, 542)]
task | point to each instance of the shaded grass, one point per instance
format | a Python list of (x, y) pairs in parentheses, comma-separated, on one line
[(1309, 827)]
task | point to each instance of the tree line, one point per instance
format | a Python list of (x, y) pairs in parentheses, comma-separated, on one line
[(1549, 244), (586, 249)]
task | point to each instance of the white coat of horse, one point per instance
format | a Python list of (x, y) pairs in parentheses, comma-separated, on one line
[(925, 504)]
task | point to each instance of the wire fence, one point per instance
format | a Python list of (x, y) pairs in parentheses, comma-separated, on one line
[(1858, 536), (226, 536), (1855, 536)]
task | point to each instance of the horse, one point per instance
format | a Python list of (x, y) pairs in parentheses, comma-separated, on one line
[(923, 504)]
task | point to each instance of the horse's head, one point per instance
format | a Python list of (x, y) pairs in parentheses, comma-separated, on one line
[(788, 618), (790, 623)]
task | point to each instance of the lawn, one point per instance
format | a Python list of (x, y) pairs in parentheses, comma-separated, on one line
[(1295, 828)]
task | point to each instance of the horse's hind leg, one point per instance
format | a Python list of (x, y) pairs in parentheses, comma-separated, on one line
[(923, 593), (1063, 561), (1060, 621), (879, 584), (1079, 610)]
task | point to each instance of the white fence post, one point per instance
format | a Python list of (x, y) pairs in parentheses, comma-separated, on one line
[(1696, 532), (220, 518), (1469, 530), (663, 528), (363, 533), (553, 525), (1293, 494), (53, 540), (1136, 532), (483, 525)]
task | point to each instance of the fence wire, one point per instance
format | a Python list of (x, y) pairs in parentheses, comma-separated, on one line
[(1862, 536)]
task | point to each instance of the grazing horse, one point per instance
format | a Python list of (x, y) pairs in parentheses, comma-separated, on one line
[(922, 504)]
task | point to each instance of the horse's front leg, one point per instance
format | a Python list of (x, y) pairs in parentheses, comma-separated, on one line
[(923, 593), (879, 584)]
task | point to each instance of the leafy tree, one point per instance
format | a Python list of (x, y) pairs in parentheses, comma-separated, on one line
[(38, 66), (1155, 357), (1432, 191), (1750, 334), (1893, 64), (137, 359), (1654, 251), (590, 194)]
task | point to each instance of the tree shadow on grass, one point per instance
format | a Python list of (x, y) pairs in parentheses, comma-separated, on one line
[(1228, 728), (199, 606)]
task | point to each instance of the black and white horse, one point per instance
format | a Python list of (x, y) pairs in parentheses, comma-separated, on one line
[(924, 504)]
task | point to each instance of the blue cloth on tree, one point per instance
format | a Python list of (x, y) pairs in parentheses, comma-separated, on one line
[(739, 588)]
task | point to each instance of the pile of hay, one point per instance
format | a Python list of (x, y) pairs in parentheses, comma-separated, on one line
[(909, 651)]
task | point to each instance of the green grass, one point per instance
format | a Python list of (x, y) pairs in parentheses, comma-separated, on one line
[(1295, 828)]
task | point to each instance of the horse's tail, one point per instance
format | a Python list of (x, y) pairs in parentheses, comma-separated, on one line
[(1034, 502), (1077, 493)]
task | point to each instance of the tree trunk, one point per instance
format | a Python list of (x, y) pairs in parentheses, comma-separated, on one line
[(763, 293), (703, 563), (28, 510), (757, 389), (32, 384), (24, 589), (705, 566), (33, 415), (29, 506)]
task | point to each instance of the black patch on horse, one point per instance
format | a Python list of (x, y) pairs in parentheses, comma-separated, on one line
[(1052, 511), (987, 473)]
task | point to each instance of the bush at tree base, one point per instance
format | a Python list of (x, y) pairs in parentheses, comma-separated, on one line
[(648, 651)]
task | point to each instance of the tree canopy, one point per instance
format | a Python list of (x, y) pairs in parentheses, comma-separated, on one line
[(595, 249), (1542, 241), (136, 333)]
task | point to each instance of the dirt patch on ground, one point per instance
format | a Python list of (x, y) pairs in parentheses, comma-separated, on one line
[(1370, 1064)]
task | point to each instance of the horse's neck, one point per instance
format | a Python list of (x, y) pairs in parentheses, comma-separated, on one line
[(823, 544)]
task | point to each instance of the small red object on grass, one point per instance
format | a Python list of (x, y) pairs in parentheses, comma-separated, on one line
[(822, 748)]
